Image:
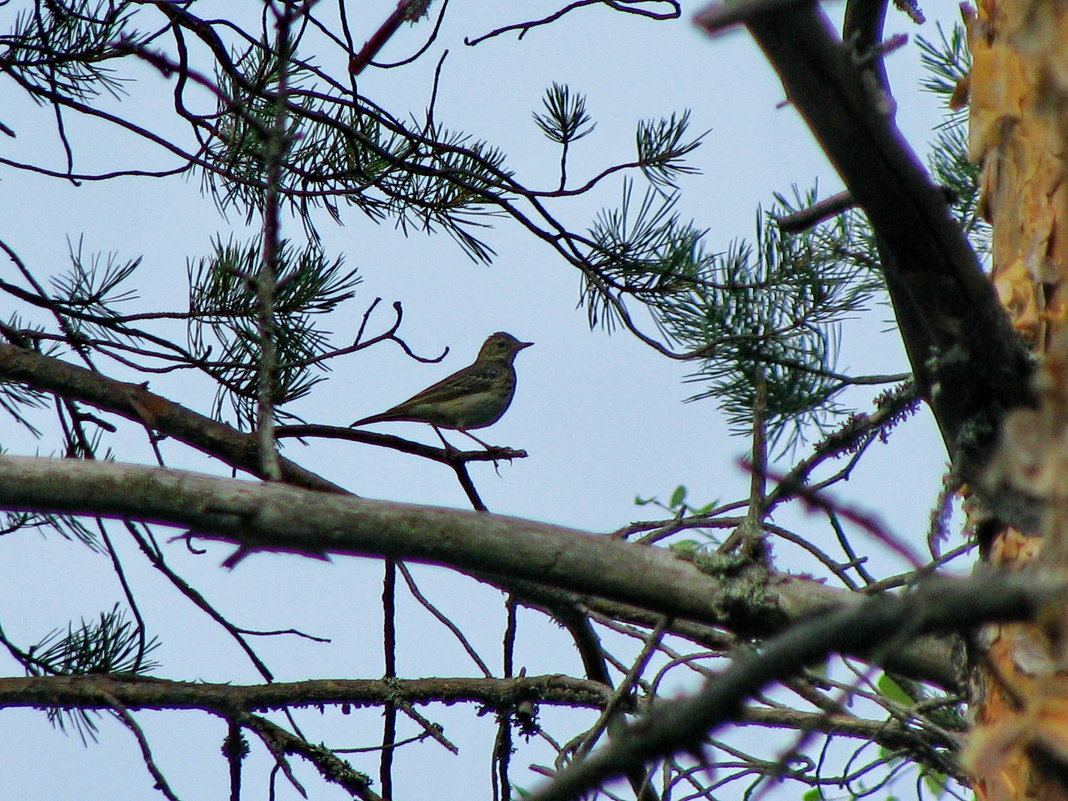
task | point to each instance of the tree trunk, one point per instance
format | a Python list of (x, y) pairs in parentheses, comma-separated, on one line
[(1019, 134)]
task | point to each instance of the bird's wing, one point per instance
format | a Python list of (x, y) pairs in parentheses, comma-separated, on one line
[(469, 381), (472, 380)]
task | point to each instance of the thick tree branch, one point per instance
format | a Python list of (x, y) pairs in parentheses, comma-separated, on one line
[(257, 516), (239, 449), (275, 517)]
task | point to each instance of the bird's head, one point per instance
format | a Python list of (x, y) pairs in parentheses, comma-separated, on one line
[(501, 347)]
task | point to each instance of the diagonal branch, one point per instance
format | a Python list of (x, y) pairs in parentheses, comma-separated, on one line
[(968, 362), (135, 402), (683, 725)]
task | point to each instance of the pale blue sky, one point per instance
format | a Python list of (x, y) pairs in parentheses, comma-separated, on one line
[(601, 416)]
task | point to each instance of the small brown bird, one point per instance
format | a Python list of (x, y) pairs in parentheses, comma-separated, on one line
[(474, 397)]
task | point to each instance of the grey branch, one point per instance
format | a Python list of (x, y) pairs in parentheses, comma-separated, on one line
[(103, 692), (272, 517)]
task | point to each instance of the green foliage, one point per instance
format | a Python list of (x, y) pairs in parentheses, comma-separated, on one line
[(676, 504), (452, 187), (424, 177), (642, 249), (223, 311), (90, 290), (662, 146), (774, 306), (68, 527), (942, 710), (687, 549), (109, 645), (948, 62), (565, 119), (84, 32), (894, 691), (678, 496), (937, 783)]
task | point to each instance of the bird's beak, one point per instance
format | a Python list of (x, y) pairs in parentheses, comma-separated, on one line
[(520, 345)]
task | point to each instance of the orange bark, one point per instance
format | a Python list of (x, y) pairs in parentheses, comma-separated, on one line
[(1019, 134), (1019, 122)]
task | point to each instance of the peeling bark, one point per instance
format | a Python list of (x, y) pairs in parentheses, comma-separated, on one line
[(1019, 134)]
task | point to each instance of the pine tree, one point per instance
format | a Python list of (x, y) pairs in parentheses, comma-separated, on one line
[(157, 431)]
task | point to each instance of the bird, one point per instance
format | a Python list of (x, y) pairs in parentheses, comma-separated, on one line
[(474, 397)]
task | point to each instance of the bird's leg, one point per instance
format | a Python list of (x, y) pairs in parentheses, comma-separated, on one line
[(496, 465), (448, 448), (476, 439)]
